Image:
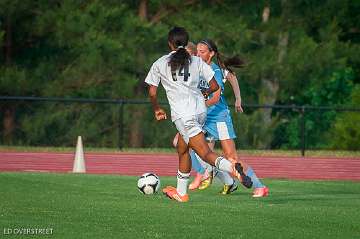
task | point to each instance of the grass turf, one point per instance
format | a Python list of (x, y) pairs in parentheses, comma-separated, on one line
[(109, 206)]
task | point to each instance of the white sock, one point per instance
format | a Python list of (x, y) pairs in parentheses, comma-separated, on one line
[(223, 164), (182, 181), (225, 178)]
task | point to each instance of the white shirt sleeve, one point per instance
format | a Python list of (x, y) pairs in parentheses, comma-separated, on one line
[(207, 71), (153, 77)]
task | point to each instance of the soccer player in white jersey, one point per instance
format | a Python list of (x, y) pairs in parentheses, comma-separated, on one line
[(180, 73)]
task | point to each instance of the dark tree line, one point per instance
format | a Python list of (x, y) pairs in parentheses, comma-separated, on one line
[(297, 52)]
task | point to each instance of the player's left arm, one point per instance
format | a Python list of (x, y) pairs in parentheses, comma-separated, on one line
[(159, 113), (231, 77)]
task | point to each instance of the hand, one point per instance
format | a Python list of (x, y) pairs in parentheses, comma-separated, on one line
[(205, 94), (238, 107), (160, 114)]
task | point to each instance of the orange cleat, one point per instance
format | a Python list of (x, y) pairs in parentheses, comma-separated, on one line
[(196, 183), (172, 193), (167, 189), (261, 192)]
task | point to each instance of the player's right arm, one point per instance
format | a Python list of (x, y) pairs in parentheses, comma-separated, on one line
[(159, 113), (153, 80)]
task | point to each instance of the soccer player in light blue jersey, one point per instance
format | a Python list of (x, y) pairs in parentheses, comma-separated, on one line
[(218, 125)]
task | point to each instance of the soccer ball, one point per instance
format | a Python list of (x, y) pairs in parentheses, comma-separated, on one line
[(148, 183)]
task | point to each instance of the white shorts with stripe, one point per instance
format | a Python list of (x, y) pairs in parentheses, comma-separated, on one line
[(220, 130), (190, 126)]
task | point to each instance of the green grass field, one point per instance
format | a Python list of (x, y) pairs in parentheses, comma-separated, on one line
[(109, 206)]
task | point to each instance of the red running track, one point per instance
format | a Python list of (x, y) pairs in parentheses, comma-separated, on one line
[(166, 165)]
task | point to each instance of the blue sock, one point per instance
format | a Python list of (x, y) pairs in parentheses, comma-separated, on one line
[(195, 163), (256, 181)]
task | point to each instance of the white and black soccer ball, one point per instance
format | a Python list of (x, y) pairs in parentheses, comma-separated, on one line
[(148, 183)]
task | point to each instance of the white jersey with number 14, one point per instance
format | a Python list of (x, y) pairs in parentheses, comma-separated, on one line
[(184, 96)]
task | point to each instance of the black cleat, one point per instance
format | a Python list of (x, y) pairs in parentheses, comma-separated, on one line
[(245, 180)]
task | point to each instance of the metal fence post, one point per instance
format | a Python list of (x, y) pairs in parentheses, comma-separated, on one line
[(302, 130), (120, 126)]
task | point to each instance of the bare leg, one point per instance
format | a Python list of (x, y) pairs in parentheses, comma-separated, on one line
[(183, 173), (208, 167), (199, 145), (229, 149), (184, 156)]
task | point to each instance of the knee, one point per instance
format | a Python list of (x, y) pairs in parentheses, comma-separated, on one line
[(231, 155), (181, 152), (206, 154)]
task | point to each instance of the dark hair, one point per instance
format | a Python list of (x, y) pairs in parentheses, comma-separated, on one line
[(179, 38), (224, 62)]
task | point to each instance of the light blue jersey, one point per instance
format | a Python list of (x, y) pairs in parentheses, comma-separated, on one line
[(218, 125), (220, 110)]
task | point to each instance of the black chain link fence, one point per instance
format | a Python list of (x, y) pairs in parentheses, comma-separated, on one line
[(40, 121)]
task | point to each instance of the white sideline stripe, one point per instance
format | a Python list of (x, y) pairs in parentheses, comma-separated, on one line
[(223, 130), (34, 170)]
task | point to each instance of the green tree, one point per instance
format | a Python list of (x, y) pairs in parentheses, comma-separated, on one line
[(345, 133), (297, 52)]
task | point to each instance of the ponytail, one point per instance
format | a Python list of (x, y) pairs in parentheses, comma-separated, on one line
[(227, 62), (179, 59), (179, 38), (224, 62)]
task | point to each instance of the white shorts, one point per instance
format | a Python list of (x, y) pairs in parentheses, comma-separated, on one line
[(189, 126), (219, 130)]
